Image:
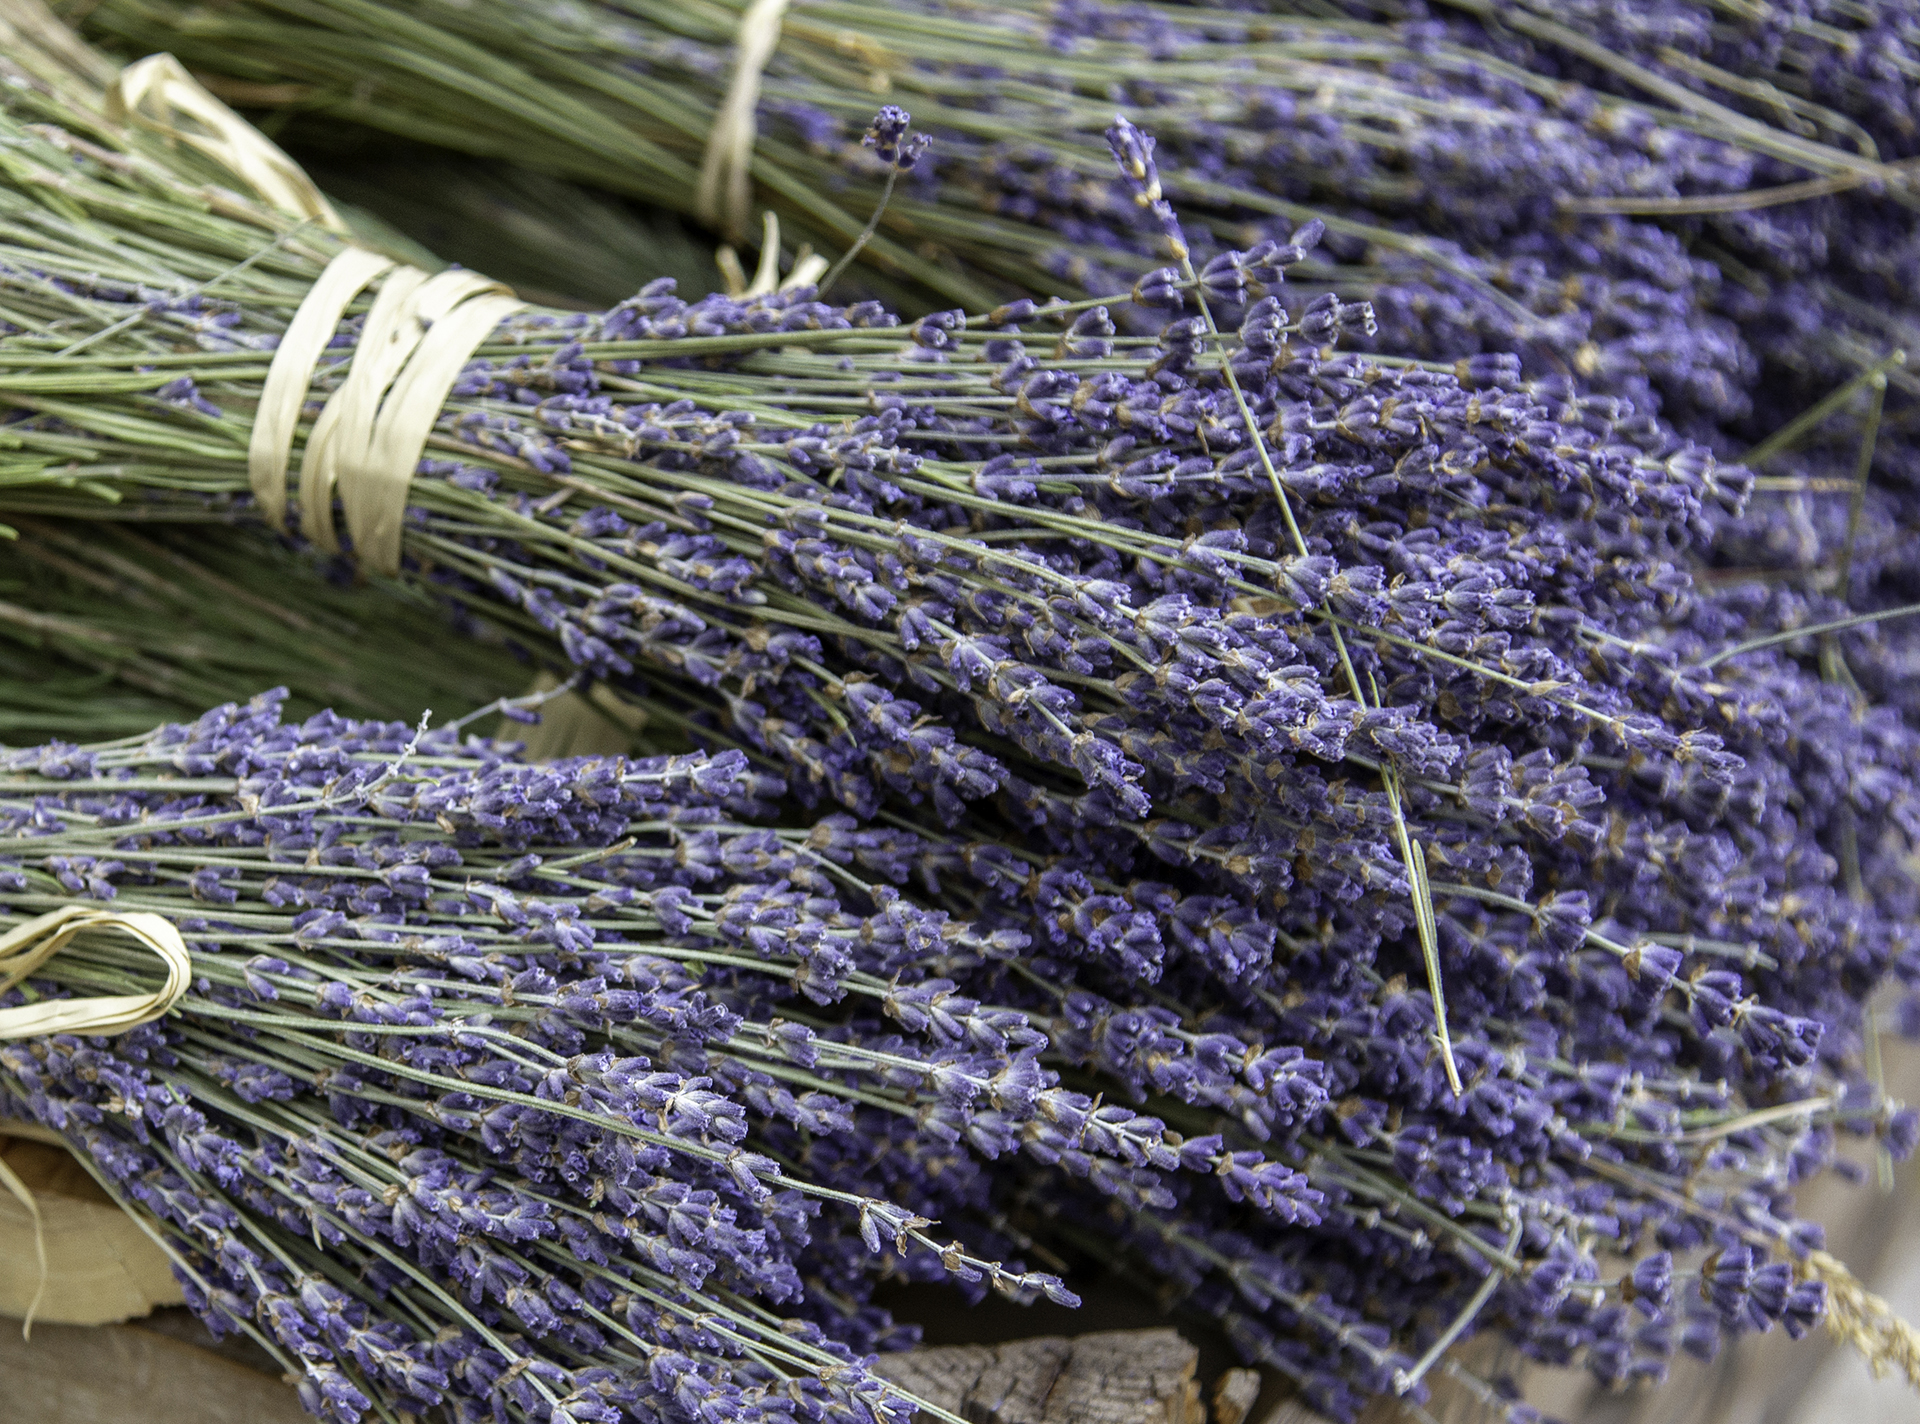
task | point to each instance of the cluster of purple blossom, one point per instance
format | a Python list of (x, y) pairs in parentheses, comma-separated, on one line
[(529, 1091), (1200, 699), (1699, 212)]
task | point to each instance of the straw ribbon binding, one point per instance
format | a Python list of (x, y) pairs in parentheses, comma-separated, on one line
[(24, 949), (724, 197), (422, 329), (285, 391), (23, 1194), (157, 94), (368, 438)]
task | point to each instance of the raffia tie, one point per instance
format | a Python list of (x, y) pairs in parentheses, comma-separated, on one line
[(158, 95), (24, 949), (724, 197), (370, 434), (422, 329)]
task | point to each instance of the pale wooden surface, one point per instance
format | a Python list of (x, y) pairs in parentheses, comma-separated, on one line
[(123, 1374), (1234, 1395), (1116, 1377), (135, 1374), (101, 1267)]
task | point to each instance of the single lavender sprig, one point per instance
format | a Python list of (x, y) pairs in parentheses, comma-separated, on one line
[(894, 146)]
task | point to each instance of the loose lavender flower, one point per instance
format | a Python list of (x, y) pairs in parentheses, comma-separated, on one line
[(1133, 151), (890, 141)]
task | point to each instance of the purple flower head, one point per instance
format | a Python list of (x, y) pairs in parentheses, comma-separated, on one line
[(888, 137), (1652, 1283), (1806, 1306), (1132, 149)]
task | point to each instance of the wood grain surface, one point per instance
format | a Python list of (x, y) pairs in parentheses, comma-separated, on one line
[(100, 1266), (1116, 1377), (126, 1374)]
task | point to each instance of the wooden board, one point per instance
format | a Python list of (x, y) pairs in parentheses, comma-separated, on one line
[(141, 1374), (1117, 1377), (101, 1267), (124, 1374)]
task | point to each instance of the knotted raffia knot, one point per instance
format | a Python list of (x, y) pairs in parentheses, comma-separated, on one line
[(1864, 1320), (24, 949)]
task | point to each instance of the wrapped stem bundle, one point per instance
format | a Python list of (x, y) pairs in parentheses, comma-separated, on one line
[(1704, 211), (1243, 685), (108, 630), (475, 1098)]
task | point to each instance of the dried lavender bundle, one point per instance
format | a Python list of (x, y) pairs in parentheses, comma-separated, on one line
[(405, 957), (493, 1080), (1452, 158), (1234, 788), (107, 630), (1698, 210)]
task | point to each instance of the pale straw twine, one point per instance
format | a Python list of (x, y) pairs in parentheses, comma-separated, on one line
[(724, 197), (369, 437), (24, 949)]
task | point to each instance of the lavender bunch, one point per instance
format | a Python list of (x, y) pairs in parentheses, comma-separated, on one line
[(1622, 200), (1489, 188), (498, 1086), (1696, 212), (105, 631), (1446, 161), (1238, 693), (459, 1112)]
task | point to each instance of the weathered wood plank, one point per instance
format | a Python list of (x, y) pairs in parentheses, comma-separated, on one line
[(100, 1266), (1115, 1377), (122, 1374), (943, 1377), (1234, 1395)]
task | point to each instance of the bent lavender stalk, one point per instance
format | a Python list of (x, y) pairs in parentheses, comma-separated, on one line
[(1214, 771)]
